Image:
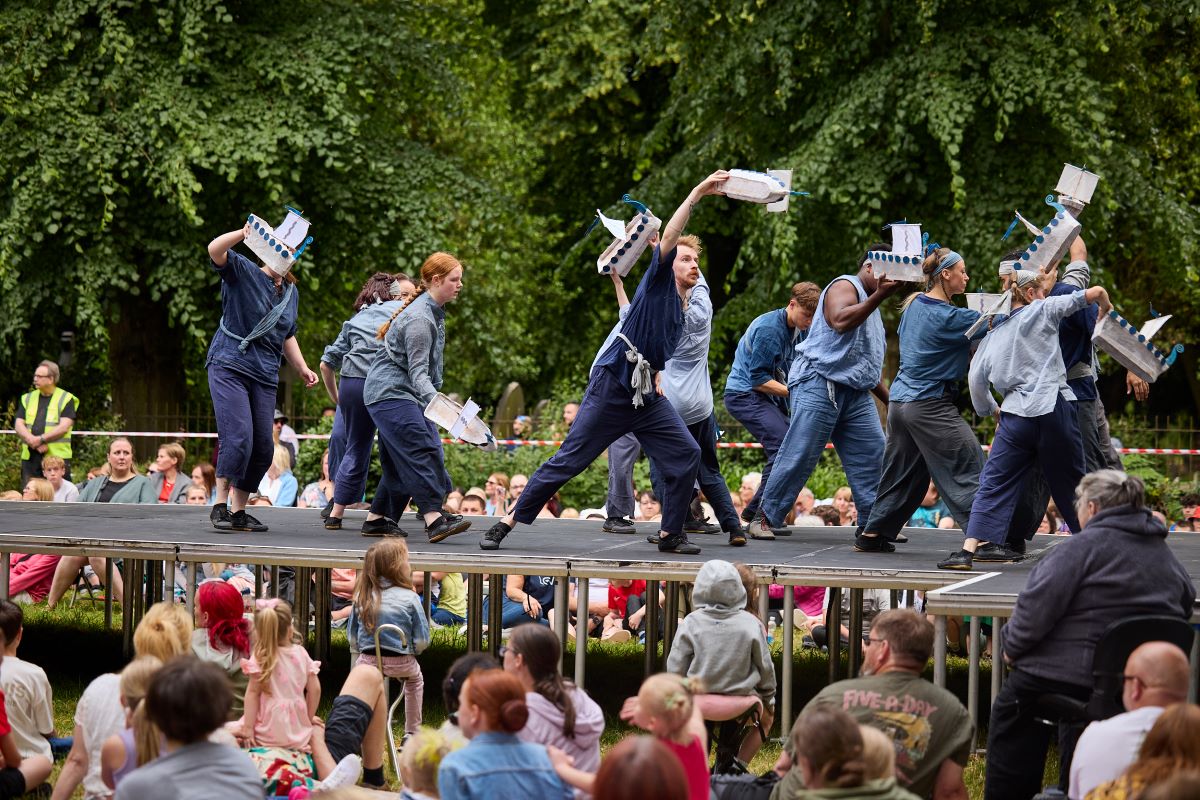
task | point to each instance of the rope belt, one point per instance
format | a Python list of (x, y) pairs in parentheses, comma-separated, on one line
[(643, 375)]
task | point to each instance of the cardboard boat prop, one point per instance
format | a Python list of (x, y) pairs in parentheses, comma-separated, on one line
[(904, 261), (629, 239), (1051, 241), (988, 305), (460, 421), (772, 188), (279, 248), (1075, 188), (1132, 347)]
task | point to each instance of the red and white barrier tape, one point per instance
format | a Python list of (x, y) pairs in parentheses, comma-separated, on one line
[(1150, 451)]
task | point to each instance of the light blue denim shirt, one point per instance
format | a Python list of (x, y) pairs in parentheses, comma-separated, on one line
[(1022, 358), (853, 358), (685, 379), (764, 352), (397, 606), (355, 347), (934, 353), (409, 365), (499, 766)]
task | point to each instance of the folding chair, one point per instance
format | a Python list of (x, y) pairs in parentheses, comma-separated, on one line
[(83, 585), (730, 719), (391, 704)]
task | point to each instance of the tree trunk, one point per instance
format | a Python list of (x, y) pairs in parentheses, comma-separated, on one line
[(146, 358)]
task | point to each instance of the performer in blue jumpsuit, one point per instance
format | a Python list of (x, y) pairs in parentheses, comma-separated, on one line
[(257, 331), (351, 355), (621, 396)]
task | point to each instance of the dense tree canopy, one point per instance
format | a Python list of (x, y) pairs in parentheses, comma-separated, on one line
[(134, 132)]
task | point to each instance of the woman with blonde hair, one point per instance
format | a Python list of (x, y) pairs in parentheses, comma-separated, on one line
[(38, 489), (279, 485), (404, 376), (168, 481), (1172, 745), (138, 743)]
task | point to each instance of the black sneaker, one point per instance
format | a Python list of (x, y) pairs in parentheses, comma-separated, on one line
[(446, 526), (873, 544), (737, 538), (677, 544), (960, 561), (241, 521), (998, 553), (700, 526), (333, 523), (375, 527), (1018, 546), (327, 510), (900, 538), (494, 536), (220, 517), (749, 516), (619, 525)]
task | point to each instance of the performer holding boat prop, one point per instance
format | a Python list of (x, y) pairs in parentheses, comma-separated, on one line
[(279, 248), (1131, 346), (461, 421), (629, 240), (772, 188), (904, 261)]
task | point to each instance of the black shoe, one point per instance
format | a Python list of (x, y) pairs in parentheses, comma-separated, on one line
[(619, 525), (737, 538), (220, 517), (653, 538), (333, 523), (997, 553), (748, 516), (873, 544), (677, 544), (327, 510), (446, 526), (241, 521), (960, 560), (375, 527), (1018, 546), (900, 538), (495, 535), (700, 526)]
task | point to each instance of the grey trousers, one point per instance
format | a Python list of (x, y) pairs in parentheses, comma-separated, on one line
[(926, 439), (621, 455)]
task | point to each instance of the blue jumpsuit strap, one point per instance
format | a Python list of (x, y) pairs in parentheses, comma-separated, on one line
[(265, 325)]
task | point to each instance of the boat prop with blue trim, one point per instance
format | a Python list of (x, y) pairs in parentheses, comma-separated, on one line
[(772, 188), (461, 421), (904, 261), (279, 248), (629, 239), (1132, 347)]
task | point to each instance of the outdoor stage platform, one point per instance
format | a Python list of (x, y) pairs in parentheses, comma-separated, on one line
[(151, 537)]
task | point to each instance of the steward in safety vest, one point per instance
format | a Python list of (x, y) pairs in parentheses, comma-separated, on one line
[(44, 420)]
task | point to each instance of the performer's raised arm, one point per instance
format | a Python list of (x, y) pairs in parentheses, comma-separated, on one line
[(679, 220), (219, 246)]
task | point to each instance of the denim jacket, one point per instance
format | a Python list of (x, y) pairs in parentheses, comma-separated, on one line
[(397, 606), (499, 766)]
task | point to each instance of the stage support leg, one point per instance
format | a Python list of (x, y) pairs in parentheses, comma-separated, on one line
[(258, 581), (5, 566), (109, 566), (854, 626), (300, 613), (192, 568), (562, 594), (973, 674), (670, 618), (495, 620), (787, 662), (274, 580), (322, 619), (474, 612), (581, 632), (427, 596), (650, 664), (833, 633), (998, 656), (939, 651)]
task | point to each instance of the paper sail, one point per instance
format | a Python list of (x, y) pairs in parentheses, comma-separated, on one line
[(988, 306), (613, 226), (460, 421), (903, 263), (1132, 348), (1077, 184), (1153, 326), (772, 189), (279, 248), (628, 243)]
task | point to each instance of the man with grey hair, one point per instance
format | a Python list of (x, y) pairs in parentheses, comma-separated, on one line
[(1156, 676), (1118, 566), (43, 421)]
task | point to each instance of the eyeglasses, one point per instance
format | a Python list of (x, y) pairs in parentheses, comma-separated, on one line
[(40, 375), (868, 640), (490, 482), (503, 651)]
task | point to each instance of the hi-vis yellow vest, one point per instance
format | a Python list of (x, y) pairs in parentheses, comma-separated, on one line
[(58, 401)]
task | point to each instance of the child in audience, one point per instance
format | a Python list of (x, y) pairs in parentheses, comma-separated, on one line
[(283, 691), (222, 635), (28, 699), (384, 596), (419, 761), (18, 775), (197, 496), (138, 743)]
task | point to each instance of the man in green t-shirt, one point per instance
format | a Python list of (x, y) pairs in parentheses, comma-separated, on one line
[(929, 726)]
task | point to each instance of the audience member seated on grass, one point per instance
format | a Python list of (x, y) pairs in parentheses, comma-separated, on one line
[(28, 700), (279, 486), (1171, 745), (449, 603), (164, 632), (527, 598), (137, 744), (1156, 676), (30, 576), (627, 599), (640, 768), (188, 700), (1117, 566), (342, 583), (420, 759), (452, 685), (168, 480), (222, 636), (18, 774), (930, 727), (875, 602), (54, 469), (495, 764), (560, 713), (828, 758), (723, 647), (38, 490)]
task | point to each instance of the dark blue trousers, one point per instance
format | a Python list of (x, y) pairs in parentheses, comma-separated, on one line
[(766, 421), (605, 414), (337, 443), (244, 409), (357, 433), (410, 451), (1051, 440), (708, 474)]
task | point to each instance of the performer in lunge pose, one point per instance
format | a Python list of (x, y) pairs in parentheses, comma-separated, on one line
[(1022, 359), (621, 397), (403, 378), (257, 330), (756, 393), (927, 437), (837, 369), (351, 354)]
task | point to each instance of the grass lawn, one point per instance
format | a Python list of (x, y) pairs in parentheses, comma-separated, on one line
[(73, 647)]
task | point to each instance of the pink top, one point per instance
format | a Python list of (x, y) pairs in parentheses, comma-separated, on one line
[(695, 766), (283, 719), (809, 599), (31, 573)]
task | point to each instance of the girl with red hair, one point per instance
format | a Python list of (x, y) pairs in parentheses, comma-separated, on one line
[(222, 635)]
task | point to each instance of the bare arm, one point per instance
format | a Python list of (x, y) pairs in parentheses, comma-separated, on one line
[(312, 694), (291, 351), (1098, 294), (8, 748), (773, 387), (218, 247), (949, 784), (74, 769), (1078, 251), (881, 391), (23, 431), (330, 380), (250, 709), (112, 756), (564, 765), (844, 312), (619, 288), (679, 220)]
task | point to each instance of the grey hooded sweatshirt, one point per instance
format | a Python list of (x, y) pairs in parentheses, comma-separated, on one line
[(720, 642)]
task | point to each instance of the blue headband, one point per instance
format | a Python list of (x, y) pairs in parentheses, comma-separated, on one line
[(950, 260)]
